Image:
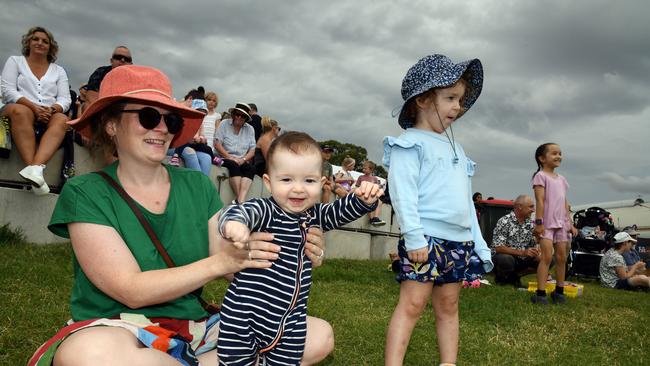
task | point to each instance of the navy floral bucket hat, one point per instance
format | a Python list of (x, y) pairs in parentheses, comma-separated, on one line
[(438, 71)]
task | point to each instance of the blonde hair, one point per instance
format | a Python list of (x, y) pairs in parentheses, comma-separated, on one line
[(27, 37), (266, 124), (210, 95), (347, 161)]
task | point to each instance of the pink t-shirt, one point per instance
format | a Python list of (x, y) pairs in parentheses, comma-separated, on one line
[(555, 188)]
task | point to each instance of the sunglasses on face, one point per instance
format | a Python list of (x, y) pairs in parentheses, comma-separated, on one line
[(122, 58), (238, 114), (150, 118)]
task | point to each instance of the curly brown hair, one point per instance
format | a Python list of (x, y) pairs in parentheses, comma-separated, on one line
[(27, 37)]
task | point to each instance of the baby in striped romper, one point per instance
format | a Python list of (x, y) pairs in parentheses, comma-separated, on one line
[(264, 310)]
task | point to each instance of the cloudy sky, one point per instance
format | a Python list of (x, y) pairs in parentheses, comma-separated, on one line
[(572, 72)]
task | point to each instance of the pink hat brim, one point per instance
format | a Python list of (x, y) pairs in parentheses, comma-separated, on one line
[(192, 118)]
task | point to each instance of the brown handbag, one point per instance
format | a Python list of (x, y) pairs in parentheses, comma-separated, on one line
[(210, 308)]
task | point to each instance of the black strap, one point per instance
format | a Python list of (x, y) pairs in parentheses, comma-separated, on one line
[(212, 309)]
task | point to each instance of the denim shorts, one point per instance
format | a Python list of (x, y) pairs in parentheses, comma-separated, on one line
[(448, 262)]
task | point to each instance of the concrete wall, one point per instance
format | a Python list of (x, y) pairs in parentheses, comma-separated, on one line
[(22, 209)]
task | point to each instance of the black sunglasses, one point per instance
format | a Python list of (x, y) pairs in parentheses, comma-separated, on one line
[(150, 118), (122, 58)]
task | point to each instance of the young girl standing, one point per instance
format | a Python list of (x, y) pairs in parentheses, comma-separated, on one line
[(552, 223), (430, 179)]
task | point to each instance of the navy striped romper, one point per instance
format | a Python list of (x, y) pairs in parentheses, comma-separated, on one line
[(264, 310)]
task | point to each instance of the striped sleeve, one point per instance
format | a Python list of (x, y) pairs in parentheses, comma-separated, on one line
[(250, 213), (342, 211)]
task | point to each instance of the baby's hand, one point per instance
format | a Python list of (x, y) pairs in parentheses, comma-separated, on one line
[(369, 192), (237, 232), (418, 255)]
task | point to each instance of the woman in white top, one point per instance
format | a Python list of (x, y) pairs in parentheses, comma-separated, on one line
[(36, 91), (211, 119)]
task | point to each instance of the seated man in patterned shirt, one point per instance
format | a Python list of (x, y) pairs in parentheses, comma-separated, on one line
[(514, 253)]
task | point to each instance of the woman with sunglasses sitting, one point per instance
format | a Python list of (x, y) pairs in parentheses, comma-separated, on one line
[(129, 305), (36, 93), (235, 144)]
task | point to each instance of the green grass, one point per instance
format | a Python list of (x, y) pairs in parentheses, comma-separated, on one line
[(498, 324)]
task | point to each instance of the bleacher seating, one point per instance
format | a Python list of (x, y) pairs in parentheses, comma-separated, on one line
[(22, 209)]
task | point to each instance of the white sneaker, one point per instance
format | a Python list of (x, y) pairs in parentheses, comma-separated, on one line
[(34, 174), (41, 190)]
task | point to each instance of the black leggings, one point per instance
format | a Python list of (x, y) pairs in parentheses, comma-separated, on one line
[(235, 170)]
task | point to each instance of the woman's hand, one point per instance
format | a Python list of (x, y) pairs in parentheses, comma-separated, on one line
[(315, 246), (259, 253), (43, 113)]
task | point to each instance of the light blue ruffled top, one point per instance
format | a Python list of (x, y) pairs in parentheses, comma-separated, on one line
[(432, 194)]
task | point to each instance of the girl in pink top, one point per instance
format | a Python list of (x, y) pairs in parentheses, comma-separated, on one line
[(552, 223)]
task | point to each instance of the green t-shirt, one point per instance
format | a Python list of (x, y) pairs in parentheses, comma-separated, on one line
[(182, 229)]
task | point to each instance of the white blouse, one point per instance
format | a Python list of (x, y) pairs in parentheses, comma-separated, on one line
[(208, 128), (18, 81)]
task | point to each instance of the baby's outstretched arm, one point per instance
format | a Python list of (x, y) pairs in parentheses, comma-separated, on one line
[(238, 232), (369, 192)]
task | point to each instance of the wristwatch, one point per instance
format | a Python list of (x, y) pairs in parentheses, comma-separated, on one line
[(539, 222)]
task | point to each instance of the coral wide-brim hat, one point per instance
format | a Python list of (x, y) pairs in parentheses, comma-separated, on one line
[(139, 84), (438, 71)]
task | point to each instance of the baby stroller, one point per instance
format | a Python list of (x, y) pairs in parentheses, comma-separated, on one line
[(595, 235)]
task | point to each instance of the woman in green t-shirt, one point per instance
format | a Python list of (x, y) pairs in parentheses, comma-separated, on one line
[(121, 281)]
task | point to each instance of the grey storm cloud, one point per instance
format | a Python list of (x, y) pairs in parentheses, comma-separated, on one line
[(631, 184), (572, 72)]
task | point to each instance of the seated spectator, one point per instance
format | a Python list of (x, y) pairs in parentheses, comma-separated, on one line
[(368, 170), (235, 144), (212, 119), (121, 56), (36, 94), (476, 197), (614, 273), (255, 121), (514, 253), (632, 256), (270, 131), (81, 98), (196, 153), (343, 180), (328, 185)]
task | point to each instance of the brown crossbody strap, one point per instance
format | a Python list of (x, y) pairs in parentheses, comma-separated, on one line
[(212, 309)]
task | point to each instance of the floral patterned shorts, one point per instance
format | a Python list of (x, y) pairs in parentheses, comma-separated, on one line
[(448, 262)]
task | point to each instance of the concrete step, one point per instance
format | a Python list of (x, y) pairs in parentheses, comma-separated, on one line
[(25, 211), (9, 168), (22, 209), (358, 245)]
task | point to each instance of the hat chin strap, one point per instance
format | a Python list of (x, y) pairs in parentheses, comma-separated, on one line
[(452, 140)]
